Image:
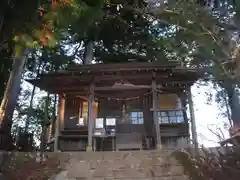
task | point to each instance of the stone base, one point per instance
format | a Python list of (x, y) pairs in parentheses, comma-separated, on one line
[(159, 146), (89, 149)]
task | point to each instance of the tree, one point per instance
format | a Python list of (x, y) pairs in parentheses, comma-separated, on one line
[(229, 14), (13, 23), (5, 66), (200, 38), (38, 24), (122, 31), (116, 34), (125, 35), (133, 39)]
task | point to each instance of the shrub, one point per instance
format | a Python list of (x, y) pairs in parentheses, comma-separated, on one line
[(20, 166), (208, 165)]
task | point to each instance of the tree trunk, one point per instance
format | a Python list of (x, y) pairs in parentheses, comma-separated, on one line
[(233, 101), (44, 128), (88, 54), (228, 110), (29, 114), (54, 118), (10, 99), (237, 16)]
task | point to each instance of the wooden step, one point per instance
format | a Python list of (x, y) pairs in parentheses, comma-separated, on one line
[(73, 137), (74, 131)]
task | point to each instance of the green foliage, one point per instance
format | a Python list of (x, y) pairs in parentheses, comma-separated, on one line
[(205, 34), (42, 61), (37, 114), (124, 35)]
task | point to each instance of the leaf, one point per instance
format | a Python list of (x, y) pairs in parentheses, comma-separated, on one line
[(16, 38), (18, 51)]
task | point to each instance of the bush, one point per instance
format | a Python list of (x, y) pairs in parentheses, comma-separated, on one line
[(20, 166), (207, 165)]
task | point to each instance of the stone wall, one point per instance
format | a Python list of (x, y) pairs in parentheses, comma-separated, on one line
[(147, 165)]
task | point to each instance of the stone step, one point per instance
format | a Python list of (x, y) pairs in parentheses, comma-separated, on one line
[(119, 155), (154, 165), (130, 172)]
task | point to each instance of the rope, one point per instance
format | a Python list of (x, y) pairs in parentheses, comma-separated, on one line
[(127, 99)]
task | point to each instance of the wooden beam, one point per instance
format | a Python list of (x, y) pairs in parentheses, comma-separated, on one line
[(101, 89), (90, 116), (104, 77), (115, 94), (122, 94), (62, 110), (155, 113), (115, 75), (111, 88), (84, 88), (63, 84), (124, 66), (177, 109), (83, 97)]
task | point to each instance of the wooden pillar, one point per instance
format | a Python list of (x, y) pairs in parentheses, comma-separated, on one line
[(192, 119), (155, 113), (183, 98), (124, 111), (61, 110), (102, 110), (90, 116), (59, 121)]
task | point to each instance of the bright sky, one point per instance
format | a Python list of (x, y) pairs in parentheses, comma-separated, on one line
[(207, 117)]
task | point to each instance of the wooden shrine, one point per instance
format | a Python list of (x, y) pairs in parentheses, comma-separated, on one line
[(121, 106)]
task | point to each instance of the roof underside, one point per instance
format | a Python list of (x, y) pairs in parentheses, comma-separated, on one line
[(76, 79)]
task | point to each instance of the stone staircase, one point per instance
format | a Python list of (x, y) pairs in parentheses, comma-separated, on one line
[(128, 165)]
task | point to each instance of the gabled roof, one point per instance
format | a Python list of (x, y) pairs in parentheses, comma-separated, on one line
[(78, 77)]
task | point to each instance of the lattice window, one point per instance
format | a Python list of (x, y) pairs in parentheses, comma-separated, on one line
[(136, 117), (170, 117)]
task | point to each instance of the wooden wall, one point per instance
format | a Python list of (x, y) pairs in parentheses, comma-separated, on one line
[(148, 116), (112, 108), (71, 116), (169, 101)]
